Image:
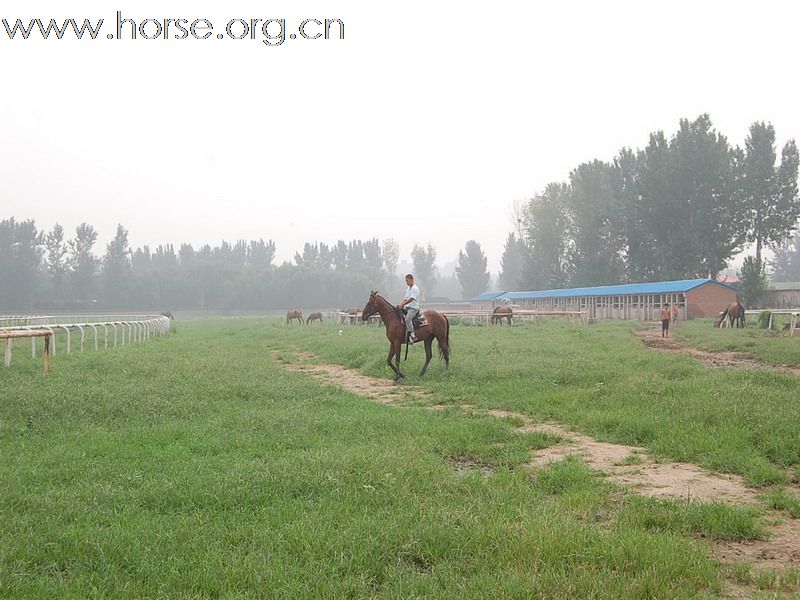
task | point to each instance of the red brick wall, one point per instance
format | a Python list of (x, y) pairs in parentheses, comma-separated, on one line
[(708, 300)]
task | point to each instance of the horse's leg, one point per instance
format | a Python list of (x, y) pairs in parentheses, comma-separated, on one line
[(389, 361), (428, 354), (398, 351)]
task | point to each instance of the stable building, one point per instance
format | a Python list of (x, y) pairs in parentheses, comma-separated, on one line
[(634, 301), (782, 295)]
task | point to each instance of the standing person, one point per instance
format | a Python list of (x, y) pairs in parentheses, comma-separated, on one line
[(675, 311), (410, 304), (665, 320)]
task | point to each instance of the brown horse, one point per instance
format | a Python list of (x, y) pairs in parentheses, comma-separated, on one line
[(294, 313), (315, 316), (500, 313), (436, 326), (735, 313)]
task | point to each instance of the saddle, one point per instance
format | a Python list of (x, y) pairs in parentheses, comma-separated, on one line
[(417, 321)]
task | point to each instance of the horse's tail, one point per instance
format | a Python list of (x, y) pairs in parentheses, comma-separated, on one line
[(444, 349), (722, 317)]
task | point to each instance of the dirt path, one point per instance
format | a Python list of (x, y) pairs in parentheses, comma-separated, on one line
[(382, 390), (630, 466), (715, 360)]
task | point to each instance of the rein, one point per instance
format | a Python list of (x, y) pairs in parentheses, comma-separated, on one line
[(392, 306)]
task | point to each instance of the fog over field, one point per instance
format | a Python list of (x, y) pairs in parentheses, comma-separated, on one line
[(416, 125)]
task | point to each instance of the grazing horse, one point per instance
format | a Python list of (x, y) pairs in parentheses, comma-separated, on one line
[(316, 316), (294, 313), (436, 326), (735, 313), (500, 313)]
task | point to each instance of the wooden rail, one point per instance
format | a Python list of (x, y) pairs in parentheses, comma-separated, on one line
[(10, 336)]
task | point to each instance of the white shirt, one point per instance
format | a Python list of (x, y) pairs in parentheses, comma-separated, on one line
[(412, 292)]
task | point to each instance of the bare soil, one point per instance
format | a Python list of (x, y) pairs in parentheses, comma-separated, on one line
[(630, 466), (715, 360), (382, 390)]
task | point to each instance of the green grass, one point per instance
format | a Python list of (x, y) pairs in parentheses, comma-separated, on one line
[(601, 380), (193, 466), (770, 347)]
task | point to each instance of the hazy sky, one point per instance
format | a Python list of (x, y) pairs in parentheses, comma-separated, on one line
[(425, 124)]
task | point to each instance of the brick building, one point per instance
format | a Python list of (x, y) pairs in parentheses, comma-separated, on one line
[(634, 301)]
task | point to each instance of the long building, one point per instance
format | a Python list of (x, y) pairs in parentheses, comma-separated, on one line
[(633, 301)]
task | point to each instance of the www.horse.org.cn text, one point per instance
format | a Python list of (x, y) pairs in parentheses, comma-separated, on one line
[(271, 32)]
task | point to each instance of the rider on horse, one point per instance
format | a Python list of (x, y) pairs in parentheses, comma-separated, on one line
[(410, 304)]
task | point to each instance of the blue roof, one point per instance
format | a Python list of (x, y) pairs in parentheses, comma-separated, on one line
[(486, 296), (629, 289)]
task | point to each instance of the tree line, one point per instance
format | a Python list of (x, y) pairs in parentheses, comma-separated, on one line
[(44, 269), (681, 207)]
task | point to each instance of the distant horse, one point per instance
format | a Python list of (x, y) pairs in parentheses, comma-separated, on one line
[(168, 314), (500, 313), (350, 315), (294, 313), (315, 316), (735, 313), (436, 326)]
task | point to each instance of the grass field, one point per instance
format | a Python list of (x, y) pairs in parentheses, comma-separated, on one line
[(771, 347), (193, 466)]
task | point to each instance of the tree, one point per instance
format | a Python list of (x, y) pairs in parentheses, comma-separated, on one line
[(56, 250), (391, 256), (786, 262), (752, 280), (547, 241), (117, 270), (424, 260), (20, 261), (512, 263), (769, 193), (471, 270), (82, 262), (373, 259), (593, 207)]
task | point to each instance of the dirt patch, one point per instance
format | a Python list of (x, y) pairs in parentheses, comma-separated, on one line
[(627, 465), (384, 391), (779, 553), (632, 466), (651, 338)]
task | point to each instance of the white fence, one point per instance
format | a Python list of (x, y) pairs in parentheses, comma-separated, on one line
[(103, 330), (794, 316)]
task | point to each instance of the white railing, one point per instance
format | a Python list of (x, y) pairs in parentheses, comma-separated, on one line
[(103, 329)]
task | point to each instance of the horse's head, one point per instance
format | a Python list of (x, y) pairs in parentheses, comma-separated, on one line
[(371, 307)]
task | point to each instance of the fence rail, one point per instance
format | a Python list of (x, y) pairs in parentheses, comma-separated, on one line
[(477, 316), (114, 329), (794, 315)]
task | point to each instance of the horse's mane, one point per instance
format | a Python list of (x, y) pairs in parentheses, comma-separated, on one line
[(396, 310)]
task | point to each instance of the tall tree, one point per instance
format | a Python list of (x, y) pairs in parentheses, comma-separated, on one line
[(594, 209), (56, 249), (752, 281), (425, 273), (471, 270), (20, 261), (117, 270), (82, 261), (547, 240), (786, 262), (391, 256), (769, 192), (261, 253), (512, 263), (373, 259)]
